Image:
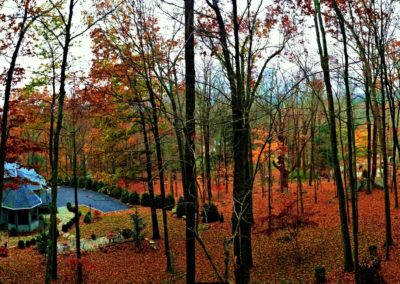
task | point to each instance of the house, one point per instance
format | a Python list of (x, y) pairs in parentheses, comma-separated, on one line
[(25, 191)]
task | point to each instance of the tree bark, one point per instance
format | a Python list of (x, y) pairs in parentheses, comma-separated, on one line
[(190, 191), (350, 140), (324, 59), (149, 178), (51, 268), (7, 92)]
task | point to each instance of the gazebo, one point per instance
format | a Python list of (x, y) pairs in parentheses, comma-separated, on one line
[(20, 204), (21, 208)]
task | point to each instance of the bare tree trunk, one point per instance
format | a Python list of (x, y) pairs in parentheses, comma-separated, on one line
[(7, 92), (190, 191), (324, 58), (350, 140), (79, 271), (51, 268), (149, 178)]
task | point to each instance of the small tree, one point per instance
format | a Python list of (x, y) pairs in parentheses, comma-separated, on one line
[(138, 227), (292, 222)]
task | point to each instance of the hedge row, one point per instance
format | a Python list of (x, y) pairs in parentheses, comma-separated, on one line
[(119, 193)]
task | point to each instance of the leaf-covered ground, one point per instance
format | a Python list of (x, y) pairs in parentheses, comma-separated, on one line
[(274, 260)]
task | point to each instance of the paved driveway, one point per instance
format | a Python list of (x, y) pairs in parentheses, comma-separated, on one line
[(90, 198)]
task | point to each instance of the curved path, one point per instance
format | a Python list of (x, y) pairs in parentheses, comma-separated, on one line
[(97, 200)]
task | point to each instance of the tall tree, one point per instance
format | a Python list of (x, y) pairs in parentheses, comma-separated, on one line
[(350, 136), (324, 60), (65, 40), (238, 60), (30, 13), (190, 134)]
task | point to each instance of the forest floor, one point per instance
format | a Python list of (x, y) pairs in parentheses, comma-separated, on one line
[(275, 261)]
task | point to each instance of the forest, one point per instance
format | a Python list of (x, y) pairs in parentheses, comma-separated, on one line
[(199, 141)]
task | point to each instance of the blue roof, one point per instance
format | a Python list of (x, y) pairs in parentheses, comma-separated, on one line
[(21, 198), (16, 170)]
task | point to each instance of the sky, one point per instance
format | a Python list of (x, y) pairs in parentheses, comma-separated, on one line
[(82, 50)]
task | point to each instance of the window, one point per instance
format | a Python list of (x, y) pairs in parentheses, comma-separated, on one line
[(11, 217), (23, 217)]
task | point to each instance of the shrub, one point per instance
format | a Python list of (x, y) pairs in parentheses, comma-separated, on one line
[(210, 213), (67, 181), (181, 208), (320, 274), (101, 184), (103, 189), (64, 228), (70, 223), (116, 192), (125, 196), (127, 233), (88, 218), (138, 226), (70, 208), (21, 244), (145, 200), (169, 202), (293, 223), (27, 243), (81, 182), (89, 184), (369, 267), (33, 241), (95, 186), (108, 189), (42, 243), (158, 202), (134, 198)]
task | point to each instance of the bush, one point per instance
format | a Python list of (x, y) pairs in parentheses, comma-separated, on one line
[(320, 275), (42, 243), (21, 244), (64, 228), (125, 196), (210, 213), (369, 267), (89, 184), (181, 208), (127, 233), (95, 186), (134, 198), (145, 200), (169, 202), (103, 189), (81, 182), (116, 192), (138, 226), (33, 241), (70, 208), (108, 189), (67, 181), (70, 223), (88, 218), (158, 202), (101, 184), (27, 243)]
